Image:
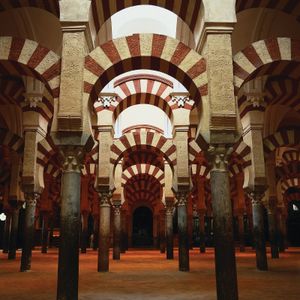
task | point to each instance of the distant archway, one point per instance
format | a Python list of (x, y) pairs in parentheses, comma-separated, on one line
[(142, 227)]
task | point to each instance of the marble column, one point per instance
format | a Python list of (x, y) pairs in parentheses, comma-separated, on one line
[(95, 232), (183, 239), (169, 229), (259, 231), (117, 229), (123, 232), (29, 230), (84, 231), (68, 258), (104, 232), (281, 231), (156, 231), (272, 231), (6, 233), (225, 263), (14, 233), (162, 232), (202, 231), (240, 219), (129, 226), (45, 232)]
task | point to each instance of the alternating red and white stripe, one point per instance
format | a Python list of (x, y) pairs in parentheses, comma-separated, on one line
[(290, 137), (275, 55), (143, 139), (145, 51), (143, 169), (188, 11), (23, 57)]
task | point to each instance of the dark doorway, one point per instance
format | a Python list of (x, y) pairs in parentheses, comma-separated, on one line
[(142, 229), (293, 223)]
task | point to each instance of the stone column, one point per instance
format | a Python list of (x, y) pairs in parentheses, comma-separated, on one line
[(258, 230), (240, 219), (117, 229), (202, 231), (155, 231), (14, 232), (129, 218), (68, 259), (272, 230), (225, 263), (45, 232), (183, 239), (123, 231), (84, 231), (282, 230), (28, 233), (162, 231), (169, 228), (95, 231), (104, 232), (6, 232)]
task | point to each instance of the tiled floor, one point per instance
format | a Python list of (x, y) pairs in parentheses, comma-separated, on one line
[(144, 275)]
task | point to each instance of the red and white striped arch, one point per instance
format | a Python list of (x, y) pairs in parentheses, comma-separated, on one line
[(140, 91), (278, 91), (263, 57), (145, 51), (23, 57), (11, 93), (291, 156), (283, 91), (293, 181), (143, 140), (51, 6), (11, 140), (242, 153), (143, 169), (289, 137), (143, 187), (188, 11), (52, 170), (46, 150), (287, 6), (88, 169)]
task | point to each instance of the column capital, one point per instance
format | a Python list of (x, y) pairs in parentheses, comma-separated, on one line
[(182, 197), (31, 199), (72, 158), (116, 204), (218, 156), (256, 196), (105, 197)]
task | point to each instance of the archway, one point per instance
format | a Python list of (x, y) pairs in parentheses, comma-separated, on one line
[(142, 227)]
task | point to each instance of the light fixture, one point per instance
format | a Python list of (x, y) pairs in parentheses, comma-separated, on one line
[(295, 207), (2, 217)]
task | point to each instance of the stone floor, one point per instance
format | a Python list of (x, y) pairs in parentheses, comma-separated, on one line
[(144, 275)]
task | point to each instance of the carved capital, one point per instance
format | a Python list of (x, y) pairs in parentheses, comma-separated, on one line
[(182, 197), (256, 101), (256, 197), (117, 209), (218, 156), (33, 99), (72, 158), (105, 197), (169, 210), (107, 99), (181, 99), (31, 199)]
